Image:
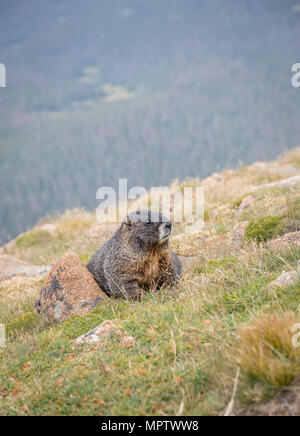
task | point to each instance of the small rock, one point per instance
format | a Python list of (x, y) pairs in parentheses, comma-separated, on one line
[(69, 289), (201, 281), (11, 267), (98, 334), (246, 203), (50, 228), (127, 342), (238, 235), (288, 240), (286, 279)]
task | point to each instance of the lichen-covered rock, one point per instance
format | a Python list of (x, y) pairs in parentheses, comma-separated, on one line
[(13, 267), (98, 334), (69, 289)]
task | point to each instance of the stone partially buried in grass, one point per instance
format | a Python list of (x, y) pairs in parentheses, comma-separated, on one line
[(98, 334), (68, 289)]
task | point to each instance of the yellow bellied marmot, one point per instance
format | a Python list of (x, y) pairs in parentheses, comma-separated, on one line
[(137, 257)]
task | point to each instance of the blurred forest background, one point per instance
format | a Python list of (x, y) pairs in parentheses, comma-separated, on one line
[(146, 90)]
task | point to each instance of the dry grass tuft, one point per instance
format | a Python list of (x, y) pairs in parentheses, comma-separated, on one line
[(291, 158), (265, 349)]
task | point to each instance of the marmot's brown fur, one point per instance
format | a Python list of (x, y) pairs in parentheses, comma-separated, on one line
[(137, 258)]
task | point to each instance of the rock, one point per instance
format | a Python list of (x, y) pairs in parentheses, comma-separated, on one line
[(291, 181), (12, 267), (293, 226), (238, 235), (127, 342), (201, 281), (286, 279), (69, 289), (98, 334), (50, 228), (286, 403), (287, 240), (247, 203)]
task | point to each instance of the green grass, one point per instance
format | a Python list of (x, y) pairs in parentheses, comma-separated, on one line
[(183, 343), (189, 340), (265, 228), (212, 265), (32, 238)]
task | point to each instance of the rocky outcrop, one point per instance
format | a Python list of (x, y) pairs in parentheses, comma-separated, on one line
[(291, 181), (69, 289), (12, 267)]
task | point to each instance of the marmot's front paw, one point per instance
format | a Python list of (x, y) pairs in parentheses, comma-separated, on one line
[(137, 295)]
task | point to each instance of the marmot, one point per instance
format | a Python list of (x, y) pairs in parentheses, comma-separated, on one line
[(137, 257)]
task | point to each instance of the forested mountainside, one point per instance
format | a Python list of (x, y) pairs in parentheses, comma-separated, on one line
[(150, 91)]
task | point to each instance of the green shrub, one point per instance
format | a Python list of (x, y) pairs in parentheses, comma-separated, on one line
[(265, 228)]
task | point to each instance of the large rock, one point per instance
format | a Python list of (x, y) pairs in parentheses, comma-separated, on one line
[(69, 289), (12, 267)]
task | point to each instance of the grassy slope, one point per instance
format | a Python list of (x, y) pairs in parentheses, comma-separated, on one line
[(189, 341)]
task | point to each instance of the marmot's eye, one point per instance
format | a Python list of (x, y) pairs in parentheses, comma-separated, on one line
[(148, 224)]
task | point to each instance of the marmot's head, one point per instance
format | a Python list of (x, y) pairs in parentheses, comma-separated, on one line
[(148, 228)]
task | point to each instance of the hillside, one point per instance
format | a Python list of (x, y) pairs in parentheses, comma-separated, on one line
[(150, 91), (228, 320)]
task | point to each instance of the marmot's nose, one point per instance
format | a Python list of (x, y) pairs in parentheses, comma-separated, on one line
[(168, 226)]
